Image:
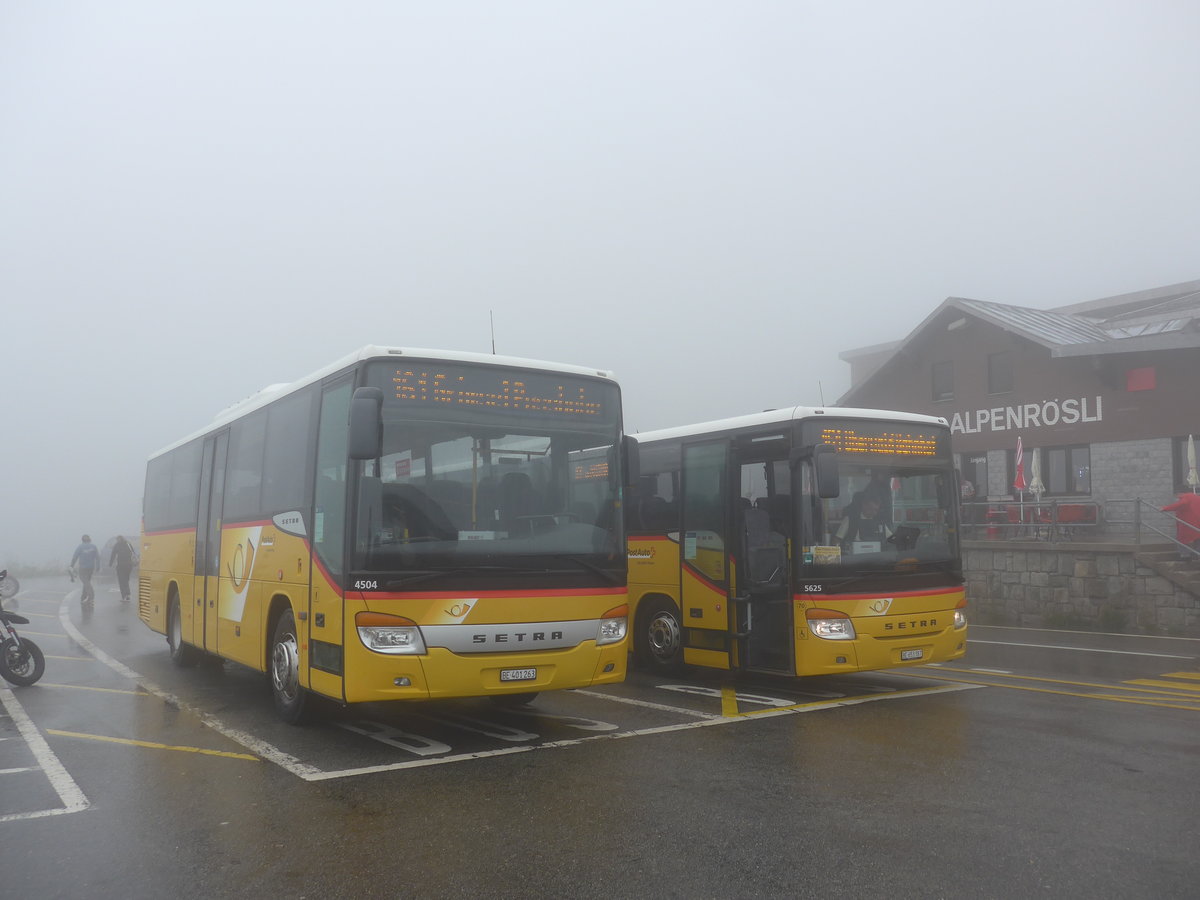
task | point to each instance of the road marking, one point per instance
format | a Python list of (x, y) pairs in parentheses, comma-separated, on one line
[(151, 744), (88, 687), (1151, 682), (646, 704), (1038, 690), (639, 732), (68, 791), (1083, 649), (257, 747)]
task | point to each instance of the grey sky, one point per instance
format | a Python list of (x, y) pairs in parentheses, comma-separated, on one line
[(711, 199)]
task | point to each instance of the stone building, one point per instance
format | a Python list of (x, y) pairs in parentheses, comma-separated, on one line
[(1105, 393)]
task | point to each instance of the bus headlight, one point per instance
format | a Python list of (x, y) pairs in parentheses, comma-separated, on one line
[(830, 624), (613, 626), (389, 634), (960, 614)]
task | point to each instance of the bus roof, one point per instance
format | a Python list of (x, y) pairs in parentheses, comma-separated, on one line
[(375, 351), (788, 414)]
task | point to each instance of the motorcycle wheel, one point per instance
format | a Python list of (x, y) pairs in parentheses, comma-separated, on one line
[(22, 665)]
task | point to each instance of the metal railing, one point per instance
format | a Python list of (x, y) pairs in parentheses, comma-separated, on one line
[(1142, 522), (1046, 520), (1132, 520)]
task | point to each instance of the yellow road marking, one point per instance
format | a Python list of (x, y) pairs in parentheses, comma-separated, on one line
[(848, 700), (1031, 678), (1150, 682), (1037, 690), (1190, 675), (729, 705), (151, 745), (88, 687)]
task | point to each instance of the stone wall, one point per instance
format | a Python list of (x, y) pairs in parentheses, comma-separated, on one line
[(1100, 587)]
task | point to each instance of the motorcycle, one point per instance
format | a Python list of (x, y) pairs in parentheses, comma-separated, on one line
[(21, 660)]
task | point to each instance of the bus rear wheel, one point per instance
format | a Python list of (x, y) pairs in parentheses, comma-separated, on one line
[(659, 641), (291, 700)]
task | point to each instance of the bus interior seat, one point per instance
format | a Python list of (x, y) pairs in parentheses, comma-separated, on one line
[(765, 549), (517, 500)]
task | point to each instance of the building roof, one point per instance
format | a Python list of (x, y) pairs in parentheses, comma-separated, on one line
[(1164, 318)]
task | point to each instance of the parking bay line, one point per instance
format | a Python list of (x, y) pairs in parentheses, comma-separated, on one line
[(152, 745), (64, 785), (639, 732)]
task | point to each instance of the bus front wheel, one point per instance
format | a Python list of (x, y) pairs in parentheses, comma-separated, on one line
[(183, 655), (659, 641), (291, 700)]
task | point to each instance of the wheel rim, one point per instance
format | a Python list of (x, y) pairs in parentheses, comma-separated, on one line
[(662, 635), (176, 629), (285, 668), (19, 661)]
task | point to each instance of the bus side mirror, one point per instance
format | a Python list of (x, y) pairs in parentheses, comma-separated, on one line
[(630, 460), (366, 423), (825, 465)]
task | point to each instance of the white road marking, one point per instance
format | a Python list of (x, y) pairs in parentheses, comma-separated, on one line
[(64, 785)]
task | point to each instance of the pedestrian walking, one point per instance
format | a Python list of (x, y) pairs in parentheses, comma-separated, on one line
[(1187, 522), (85, 562), (122, 557)]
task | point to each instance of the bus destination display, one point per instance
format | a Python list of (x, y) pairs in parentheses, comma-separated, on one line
[(881, 440), (500, 390)]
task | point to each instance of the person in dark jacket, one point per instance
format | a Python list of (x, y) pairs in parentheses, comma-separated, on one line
[(85, 562), (122, 557)]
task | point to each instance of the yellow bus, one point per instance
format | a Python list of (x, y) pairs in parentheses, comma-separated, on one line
[(804, 541), (402, 525)]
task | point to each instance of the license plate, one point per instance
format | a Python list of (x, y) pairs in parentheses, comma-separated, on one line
[(518, 674), (911, 654)]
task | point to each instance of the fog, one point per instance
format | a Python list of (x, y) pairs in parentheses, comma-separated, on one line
[(712, 200)]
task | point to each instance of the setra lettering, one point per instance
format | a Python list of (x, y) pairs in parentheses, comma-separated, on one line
[(914, 623), (516, 637)]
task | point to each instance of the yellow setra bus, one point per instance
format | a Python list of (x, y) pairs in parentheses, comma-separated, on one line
[(401, 525), (804, 541)]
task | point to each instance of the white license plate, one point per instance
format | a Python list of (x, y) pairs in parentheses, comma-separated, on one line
[(911, 654), (518, 674)]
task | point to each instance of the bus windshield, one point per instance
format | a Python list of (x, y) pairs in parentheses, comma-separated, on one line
[(497, 482), (886, 517)]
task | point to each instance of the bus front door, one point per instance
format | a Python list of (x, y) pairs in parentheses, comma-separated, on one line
[(762, 602)]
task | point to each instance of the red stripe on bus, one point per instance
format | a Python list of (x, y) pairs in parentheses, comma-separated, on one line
[(459, 595)]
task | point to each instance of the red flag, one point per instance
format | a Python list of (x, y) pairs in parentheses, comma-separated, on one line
[(1019, 483)]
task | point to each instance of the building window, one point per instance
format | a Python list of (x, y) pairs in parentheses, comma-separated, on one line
[(1066, 471), (943, 380), (1000, 373)]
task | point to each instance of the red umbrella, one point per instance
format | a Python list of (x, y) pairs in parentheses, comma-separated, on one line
[(1019, 483)]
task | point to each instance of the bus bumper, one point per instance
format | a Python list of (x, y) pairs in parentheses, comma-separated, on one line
[(381, 677)]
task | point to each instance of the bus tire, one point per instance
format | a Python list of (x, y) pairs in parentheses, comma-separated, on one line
[(658, 644), (182, 654), (291, 700)]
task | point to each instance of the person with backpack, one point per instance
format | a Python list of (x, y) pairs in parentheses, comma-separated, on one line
[(122, 557), (86, 562)]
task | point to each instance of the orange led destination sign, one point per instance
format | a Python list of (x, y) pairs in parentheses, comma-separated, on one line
[(497, 390), (881, 442)]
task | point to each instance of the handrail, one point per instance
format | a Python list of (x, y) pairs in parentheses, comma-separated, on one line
[(1143, 515)]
